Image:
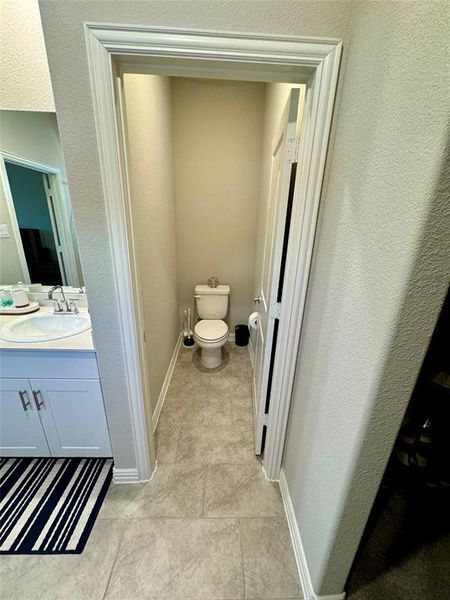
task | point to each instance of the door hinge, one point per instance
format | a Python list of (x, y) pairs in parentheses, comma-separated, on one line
[(292, 150), (145, 336), (275, 310), (265, 419)]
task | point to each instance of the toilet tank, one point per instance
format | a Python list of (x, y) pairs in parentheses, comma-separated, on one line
[(212, 303)]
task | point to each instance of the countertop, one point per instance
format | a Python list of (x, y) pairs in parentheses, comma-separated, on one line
[(81, 342)]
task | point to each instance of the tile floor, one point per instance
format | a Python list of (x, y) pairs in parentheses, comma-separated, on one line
[(208, 527)]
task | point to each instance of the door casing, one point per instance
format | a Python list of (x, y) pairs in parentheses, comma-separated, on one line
[(200, 53)]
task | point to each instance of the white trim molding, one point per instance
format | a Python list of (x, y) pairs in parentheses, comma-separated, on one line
[(125, 475), (262, 57), (299, 552), (166, 382)]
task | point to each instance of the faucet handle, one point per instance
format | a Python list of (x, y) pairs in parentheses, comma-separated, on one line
[(56, 306), (73, 308)]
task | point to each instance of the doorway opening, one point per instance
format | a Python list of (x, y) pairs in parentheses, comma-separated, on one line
[(112, 50), (211, 168)]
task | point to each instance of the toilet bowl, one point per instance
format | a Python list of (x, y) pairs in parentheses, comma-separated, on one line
[(211, 332), (211, 335)]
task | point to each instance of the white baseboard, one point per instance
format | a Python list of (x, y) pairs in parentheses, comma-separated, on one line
[(166, 382), (125, 475), (299, 552)]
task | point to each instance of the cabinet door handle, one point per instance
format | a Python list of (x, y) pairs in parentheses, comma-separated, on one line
[(23, 398), (39, 403)]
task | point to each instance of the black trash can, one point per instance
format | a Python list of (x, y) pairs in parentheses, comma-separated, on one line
[(242, 334)]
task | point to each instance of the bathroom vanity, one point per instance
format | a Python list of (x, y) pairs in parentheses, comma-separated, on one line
[(51, 402)]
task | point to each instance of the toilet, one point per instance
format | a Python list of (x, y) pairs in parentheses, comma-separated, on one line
[(211, 332)]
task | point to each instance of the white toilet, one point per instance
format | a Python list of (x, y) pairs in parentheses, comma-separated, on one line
[(211, 333)]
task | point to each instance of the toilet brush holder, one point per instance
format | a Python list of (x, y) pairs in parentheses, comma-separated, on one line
[(188, 335), (188, 341)]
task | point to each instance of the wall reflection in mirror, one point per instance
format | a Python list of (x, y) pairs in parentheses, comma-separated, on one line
[(38, 242)]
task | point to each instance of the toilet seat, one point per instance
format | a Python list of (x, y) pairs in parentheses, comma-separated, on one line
[(211, 330)]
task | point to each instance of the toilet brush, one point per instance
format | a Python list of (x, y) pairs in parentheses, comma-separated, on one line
[(188, 337)]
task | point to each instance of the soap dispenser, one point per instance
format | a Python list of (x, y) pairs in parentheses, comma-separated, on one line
[(19, 296)]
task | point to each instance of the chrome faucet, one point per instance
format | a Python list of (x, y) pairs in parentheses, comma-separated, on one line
[(64, 307)]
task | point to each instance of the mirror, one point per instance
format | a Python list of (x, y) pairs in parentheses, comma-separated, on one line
[(38, 242)]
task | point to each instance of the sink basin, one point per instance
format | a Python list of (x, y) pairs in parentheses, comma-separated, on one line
[(44, 327)]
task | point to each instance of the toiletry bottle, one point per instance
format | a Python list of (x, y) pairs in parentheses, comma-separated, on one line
[(19, 296), (5, 298)]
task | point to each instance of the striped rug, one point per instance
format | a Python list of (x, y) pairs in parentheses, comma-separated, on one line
[(49, 505)]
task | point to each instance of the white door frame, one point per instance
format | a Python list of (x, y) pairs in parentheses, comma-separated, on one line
[(69, 269), (314, 61)]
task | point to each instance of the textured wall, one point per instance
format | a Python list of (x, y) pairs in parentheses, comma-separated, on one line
[(63, 30), (149, 117), (24, 75), (381, 267), (217, 150)]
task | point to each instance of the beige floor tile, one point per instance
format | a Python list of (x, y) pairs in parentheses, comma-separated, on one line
[(240, 490), (63, 577), (188, 380), (167, 435), (232, 385), (269, 566), (178, 559), (216, 442), (176, 490)]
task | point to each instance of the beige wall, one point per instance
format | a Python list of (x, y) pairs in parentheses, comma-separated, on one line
[(217, 150), (24, 74), (383, 214), (149, 118)]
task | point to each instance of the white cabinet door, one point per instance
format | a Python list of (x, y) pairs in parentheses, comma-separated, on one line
[(73, 416), (21, 432)]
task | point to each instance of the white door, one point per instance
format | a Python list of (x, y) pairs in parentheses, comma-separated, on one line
[(21, 432), (282, 180), (73, 416)]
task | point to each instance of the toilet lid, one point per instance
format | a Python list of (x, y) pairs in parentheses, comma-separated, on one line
[(211, 329)]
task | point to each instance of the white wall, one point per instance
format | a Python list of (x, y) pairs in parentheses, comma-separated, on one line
[(149, 118), (23, 60), (377, 159), (381, 267), (217, 149)]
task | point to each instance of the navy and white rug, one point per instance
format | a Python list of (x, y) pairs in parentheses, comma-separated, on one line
[(49, 505)]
